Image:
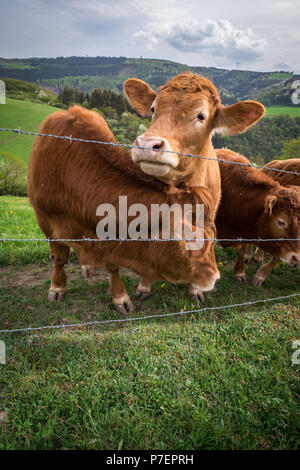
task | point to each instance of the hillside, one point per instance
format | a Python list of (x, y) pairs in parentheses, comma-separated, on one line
[(87, 73), (22, 115), (22, 90)]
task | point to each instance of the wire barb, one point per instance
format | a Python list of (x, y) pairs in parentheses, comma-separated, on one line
[(114, 144), (84, 239), (147, 317)]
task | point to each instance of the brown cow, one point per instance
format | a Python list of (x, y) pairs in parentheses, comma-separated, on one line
[(253, 205), (285, 179), (185, 114), (68, 180)]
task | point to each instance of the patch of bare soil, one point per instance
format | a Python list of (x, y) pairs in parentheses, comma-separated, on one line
[(31, 275)]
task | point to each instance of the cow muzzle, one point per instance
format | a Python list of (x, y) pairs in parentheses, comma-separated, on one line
[(292, 258), (154, 155)]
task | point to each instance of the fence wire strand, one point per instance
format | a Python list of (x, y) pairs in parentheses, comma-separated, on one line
[(120, 240), (115, 144), (130, 319), (147, 317)]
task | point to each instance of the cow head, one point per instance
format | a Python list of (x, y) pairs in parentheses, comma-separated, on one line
[(281, 219), (185, 113)]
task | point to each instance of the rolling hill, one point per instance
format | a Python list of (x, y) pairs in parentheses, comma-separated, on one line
[(87, 73), (25, 115)]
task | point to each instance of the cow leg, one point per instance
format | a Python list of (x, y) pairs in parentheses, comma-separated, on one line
[(264, 271), (59, 254), (120, 298), (86, 263), (247, 249), (196, 294), (259, 255), (240, 266), (87, 269), (143, 290)]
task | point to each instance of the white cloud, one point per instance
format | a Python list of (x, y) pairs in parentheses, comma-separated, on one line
[(216, 37)]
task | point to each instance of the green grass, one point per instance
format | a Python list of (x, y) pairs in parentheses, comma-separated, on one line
[(208, 380), (17, 220), (291, 110), (280, 75), (24, 115)]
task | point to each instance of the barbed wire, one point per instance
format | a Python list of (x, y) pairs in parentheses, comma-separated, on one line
[(146, 317), (84, 239), (220, 240), (115, 144)]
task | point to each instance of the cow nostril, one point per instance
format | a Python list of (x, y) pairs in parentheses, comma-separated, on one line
[(157, 146)]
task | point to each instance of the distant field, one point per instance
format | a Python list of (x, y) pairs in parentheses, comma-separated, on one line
[(23, 115), (291, 110), (281, 75)]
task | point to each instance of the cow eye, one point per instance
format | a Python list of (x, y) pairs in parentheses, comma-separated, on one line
[(201, 117), (152, 110), (281, 223)]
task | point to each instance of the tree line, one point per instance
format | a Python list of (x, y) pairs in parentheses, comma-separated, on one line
[(97, 99)]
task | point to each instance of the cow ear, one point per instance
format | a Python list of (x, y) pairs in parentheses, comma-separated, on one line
[(239, 117), (140, 95), (269, 203)]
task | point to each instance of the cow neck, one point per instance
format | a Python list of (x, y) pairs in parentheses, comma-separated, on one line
[(121, 160), (200, 167)]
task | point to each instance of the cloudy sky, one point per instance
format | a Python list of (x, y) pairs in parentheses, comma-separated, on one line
[(246, 34)]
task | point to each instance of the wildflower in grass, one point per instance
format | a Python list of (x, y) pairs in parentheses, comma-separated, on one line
[(163, 284)]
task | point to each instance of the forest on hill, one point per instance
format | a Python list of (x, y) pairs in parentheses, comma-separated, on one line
[(88, 73)]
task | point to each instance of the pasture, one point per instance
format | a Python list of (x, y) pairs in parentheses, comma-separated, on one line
[(23, 115), (289, 110), (220, 379)]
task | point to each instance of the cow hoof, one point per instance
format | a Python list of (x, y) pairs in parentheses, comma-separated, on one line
[(241, 280), (56, 296), (199, 298), (141, 296), (257, 281), (87, 271), (125, 307)]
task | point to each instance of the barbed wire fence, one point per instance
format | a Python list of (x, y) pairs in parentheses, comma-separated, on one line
[(70, 138), (86, 239)]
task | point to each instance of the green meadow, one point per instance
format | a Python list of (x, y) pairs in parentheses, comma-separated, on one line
[(290, 110), (216, 379), (24, 115)]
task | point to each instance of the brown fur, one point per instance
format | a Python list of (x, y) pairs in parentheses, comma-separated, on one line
[(176, 105), (250, 202), (285, 179), (66, 183), (175, 127)]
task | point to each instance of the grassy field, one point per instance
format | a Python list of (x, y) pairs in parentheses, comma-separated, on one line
[(291, 110), (24, 115), (221, 379)]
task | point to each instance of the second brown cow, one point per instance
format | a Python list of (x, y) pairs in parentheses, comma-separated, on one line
[(255, 206)]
